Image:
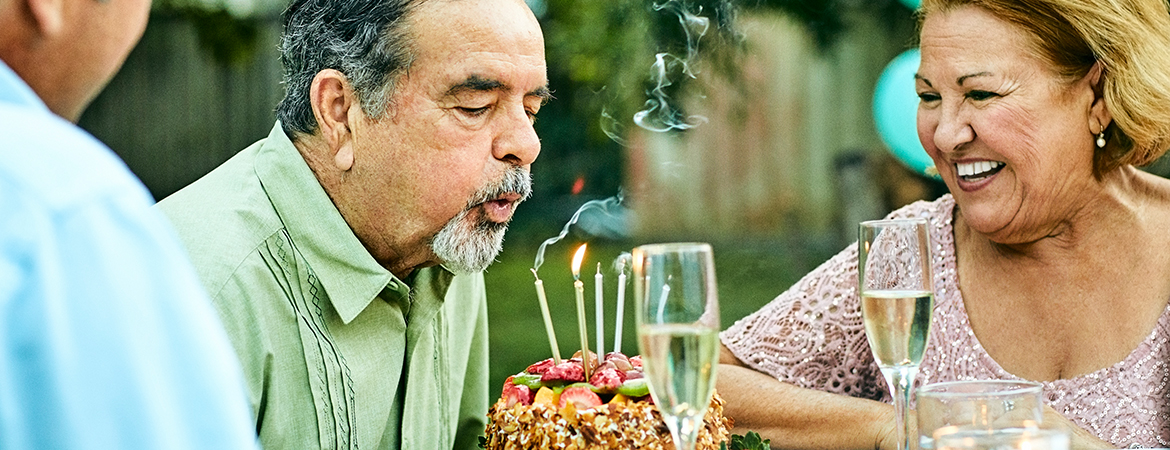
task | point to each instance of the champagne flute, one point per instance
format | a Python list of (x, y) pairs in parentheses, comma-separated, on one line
[(678, 326), (897, 299)]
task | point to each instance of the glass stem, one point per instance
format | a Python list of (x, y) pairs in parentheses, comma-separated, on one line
[(684, 431), (901, 379)]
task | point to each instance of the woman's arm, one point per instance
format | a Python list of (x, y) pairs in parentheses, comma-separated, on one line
[(798, 418)]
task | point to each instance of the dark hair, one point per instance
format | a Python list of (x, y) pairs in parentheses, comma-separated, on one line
[(367, 40), (1129, 38)]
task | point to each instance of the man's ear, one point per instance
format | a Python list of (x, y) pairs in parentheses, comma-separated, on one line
[(332, 99), (1099, 115), (48, 15)]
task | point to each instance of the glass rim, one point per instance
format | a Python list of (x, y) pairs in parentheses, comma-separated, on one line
[(1017, 387), (898, 221), (670, 247)]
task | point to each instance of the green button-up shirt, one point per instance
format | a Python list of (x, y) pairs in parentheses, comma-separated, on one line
[(338, 352)]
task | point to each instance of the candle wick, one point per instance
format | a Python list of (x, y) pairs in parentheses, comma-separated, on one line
[(534, 273)]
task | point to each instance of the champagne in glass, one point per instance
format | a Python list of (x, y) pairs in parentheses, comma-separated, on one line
[(897, 300), (678, 325), (896, 325)]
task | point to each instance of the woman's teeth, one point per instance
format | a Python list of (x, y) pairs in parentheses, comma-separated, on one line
[(977, 169)]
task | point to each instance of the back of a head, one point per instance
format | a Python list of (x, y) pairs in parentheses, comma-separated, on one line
[(1131, 40), (68, 50), (367, 40)]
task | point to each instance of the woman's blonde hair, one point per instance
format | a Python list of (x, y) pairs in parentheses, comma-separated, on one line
[(1131, 40)]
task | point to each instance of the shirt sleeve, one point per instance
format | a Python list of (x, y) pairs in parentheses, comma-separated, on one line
[(812, 335), (108, 339), (474, 404)]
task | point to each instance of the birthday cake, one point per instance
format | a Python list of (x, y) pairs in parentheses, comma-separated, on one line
[(553, 406)]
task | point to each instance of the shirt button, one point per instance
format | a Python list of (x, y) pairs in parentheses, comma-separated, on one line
[(393, 285)]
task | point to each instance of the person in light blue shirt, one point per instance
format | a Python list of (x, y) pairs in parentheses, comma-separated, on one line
[(107, 339)]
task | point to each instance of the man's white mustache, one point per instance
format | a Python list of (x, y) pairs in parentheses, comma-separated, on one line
[(515, 180)]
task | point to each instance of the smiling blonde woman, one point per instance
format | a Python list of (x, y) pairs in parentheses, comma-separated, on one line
[(1051, 261)]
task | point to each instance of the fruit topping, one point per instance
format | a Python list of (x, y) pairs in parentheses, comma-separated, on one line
[(636, 361), (580, 397), (634, 388), (546, 396), (592, 358), (565, 372), (607, 379), (540, 368), (514, 394), (618, 360), (526, 379)]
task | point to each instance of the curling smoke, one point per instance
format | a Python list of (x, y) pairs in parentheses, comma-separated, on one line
[(622, 263), (607, 206), (611, 127), (694, 26), (657, 114)]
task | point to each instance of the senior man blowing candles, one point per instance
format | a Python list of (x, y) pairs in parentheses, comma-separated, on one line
[(345, 251)]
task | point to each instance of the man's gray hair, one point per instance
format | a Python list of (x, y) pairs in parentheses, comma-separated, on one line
[(367, 40)]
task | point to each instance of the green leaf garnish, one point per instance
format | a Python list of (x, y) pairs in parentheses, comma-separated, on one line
[(751, 441)]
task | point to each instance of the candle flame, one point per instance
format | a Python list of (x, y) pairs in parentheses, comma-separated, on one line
[(577, 258)]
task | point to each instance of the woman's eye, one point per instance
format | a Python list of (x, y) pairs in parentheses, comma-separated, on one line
[(980, 95), (927, 97)]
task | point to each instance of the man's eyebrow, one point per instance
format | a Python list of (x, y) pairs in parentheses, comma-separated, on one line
[(477, 83), (543, 92)]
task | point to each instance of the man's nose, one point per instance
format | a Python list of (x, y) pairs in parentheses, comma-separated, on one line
[(517, 142)]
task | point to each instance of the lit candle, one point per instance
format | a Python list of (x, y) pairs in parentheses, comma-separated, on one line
[(548, 326), (621, 307), (599, 311), (579, 287)]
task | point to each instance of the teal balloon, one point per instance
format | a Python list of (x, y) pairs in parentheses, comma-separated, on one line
[(895, 111), (912, 4)]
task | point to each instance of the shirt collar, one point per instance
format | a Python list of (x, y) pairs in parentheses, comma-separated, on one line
[(13, 89), (350, 275)]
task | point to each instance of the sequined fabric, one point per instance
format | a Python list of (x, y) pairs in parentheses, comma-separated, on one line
[(812, 336)]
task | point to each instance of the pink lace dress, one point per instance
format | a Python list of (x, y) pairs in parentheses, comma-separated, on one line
[(812, 336)]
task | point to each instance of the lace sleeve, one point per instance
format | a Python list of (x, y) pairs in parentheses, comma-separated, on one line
[(812, 335)]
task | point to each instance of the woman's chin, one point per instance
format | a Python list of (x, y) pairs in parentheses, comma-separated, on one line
[(988, 220)]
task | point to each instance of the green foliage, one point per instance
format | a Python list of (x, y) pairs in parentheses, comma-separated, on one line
[(228, 39), (751, 441)]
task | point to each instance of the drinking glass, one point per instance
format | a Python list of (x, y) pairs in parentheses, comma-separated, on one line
[(678, 325), (1032, 438), (977, 405), (897, 298)]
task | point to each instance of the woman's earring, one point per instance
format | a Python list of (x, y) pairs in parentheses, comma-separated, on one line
[(1101, 140)]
